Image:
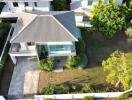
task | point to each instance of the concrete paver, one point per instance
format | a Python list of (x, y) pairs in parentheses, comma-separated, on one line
[(25, 77)]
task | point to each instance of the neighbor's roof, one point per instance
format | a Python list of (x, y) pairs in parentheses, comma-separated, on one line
[(45, 27)]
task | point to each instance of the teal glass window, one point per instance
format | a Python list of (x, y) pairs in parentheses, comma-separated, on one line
[(60, 47)]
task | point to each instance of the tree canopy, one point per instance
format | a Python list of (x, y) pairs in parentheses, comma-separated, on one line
[(107, 18), (119, 68)]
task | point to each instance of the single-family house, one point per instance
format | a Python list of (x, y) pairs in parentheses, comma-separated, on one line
[(83, 8), (13, 6), (40, 34)]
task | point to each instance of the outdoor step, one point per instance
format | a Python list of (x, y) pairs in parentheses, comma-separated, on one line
[(58, 69)]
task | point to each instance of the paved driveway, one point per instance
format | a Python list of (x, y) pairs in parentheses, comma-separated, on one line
[(25, 77)]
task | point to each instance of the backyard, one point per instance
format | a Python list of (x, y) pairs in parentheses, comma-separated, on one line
[(97, 49)]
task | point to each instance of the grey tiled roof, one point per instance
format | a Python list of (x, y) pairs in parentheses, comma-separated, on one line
[(48, 27)]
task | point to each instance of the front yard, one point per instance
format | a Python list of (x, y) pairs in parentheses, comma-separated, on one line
[(91, 75), (97, 49)]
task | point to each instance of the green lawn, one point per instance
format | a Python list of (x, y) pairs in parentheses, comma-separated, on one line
[(90, 75)]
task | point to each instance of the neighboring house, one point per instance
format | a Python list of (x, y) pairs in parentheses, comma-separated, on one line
[(80, 7), (43, 34), (83, 8), (13, 6)]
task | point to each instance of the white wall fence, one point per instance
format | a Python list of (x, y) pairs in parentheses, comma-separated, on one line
[(6, 42), (80, 96), (2, 98)]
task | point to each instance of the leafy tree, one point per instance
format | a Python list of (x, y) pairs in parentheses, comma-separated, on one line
[(46, 64), (61, 5), (119, 66), (80, 46), (126, 9), (107, 18)]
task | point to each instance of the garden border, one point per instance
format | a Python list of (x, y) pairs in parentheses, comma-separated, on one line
[(82, 95)]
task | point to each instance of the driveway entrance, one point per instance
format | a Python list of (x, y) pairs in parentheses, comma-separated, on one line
[(25, 77)]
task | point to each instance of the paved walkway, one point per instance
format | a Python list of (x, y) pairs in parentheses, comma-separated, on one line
[(25, 77)]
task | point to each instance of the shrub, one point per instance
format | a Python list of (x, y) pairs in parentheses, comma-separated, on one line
[(46, 64), (87, 88), (61, 5), (125, 95), (73, 61), (128, 32), (88, 98), (49, 89), (80, 46), (62, 89)]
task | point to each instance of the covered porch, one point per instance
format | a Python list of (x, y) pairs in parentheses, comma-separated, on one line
[(58, 52)]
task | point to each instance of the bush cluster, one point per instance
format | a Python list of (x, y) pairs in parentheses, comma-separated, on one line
[(46, 64), (73, 61), (66, 88)]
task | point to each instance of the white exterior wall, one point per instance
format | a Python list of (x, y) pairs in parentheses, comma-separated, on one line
[(84, 3), (41, 5)]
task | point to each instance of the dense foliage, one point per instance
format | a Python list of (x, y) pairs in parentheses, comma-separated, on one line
[(67, 88), (49, 89), (126, 9), (119, 66), (4, 29), (73, 61), (87, 88), (46, 64), (80, 46), (61, 5), (107, 18)]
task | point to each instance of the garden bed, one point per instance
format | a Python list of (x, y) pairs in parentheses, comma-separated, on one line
[(93, 75)]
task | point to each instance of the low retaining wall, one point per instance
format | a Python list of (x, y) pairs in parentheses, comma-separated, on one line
[(80, 96)]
